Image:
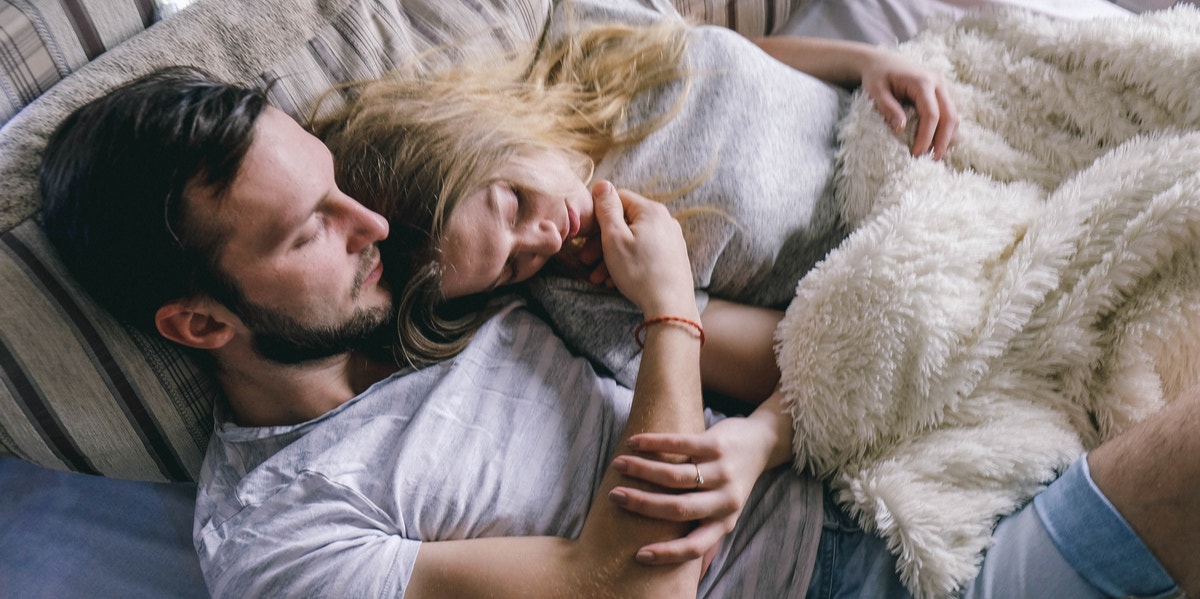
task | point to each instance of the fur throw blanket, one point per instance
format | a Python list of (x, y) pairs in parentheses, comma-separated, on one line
[(998, 313)]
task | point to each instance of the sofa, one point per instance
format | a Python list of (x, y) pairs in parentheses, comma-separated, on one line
[(103, 428)]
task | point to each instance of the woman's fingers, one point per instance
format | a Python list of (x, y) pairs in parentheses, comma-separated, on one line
[(889, 107), (591, 252), (600, 276), (609, 211), (673, 507), (696, 544), (696, 448), (947, 124), (928, 116), (683, 476)]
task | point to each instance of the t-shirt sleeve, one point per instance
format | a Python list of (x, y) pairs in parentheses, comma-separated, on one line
[(314, 538)]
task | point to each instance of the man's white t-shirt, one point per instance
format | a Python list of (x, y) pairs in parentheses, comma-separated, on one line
[(510, 438)]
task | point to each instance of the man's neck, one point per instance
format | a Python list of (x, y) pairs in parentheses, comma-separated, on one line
[(265, 393)]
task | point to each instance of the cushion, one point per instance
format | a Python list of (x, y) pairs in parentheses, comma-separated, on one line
[(72, 535), (42, 41)]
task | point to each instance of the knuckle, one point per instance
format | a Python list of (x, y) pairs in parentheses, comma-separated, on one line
[(678, 512), (727, 525)]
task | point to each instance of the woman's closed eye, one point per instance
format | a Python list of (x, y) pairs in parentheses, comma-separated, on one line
[(513, 208)]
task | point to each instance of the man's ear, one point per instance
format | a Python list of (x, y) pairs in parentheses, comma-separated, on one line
[(194, 323)]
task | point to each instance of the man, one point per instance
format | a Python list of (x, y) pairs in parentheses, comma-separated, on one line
[(193, 208)]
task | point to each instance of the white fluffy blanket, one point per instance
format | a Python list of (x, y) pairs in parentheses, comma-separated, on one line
[(996, 314)]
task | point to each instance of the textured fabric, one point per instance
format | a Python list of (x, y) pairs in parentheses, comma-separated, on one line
[(1027, 297), (81, 392), (852, 564), (337, 506), (758, 138), (1093, 537), (67, 534), (77, 390), (1070, 542), (42, 41), (751, 18), (889, 22)]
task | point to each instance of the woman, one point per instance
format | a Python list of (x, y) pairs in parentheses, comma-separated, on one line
[(483, 171), (434, 153)]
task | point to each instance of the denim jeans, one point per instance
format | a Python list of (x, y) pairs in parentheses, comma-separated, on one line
[(1070, 542)]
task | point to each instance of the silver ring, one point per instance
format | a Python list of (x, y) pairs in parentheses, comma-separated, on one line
[(699, 478)]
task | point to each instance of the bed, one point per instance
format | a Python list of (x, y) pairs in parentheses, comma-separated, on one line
[(102, 429)]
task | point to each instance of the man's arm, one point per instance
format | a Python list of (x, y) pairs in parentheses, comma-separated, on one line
[(1151, 474), (648, 261), (600, 563)]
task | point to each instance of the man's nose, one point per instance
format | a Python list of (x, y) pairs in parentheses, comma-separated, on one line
[(365, 226)]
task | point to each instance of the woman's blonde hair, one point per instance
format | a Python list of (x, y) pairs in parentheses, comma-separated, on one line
[(412, 145)]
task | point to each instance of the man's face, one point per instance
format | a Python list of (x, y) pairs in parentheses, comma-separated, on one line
[(302, 253)]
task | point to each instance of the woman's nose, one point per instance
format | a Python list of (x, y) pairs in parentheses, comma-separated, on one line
[(541, 238)]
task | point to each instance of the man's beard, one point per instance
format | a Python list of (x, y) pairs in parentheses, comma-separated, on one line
[(284, 339)]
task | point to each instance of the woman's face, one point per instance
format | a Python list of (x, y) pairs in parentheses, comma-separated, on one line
[(506, 231)]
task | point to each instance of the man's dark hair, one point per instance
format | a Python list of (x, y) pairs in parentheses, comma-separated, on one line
[(115, 177)]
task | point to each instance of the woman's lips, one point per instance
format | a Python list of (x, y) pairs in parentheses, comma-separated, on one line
[(572, 224)]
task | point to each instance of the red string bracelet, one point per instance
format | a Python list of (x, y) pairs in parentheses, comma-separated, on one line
[(637, 333)]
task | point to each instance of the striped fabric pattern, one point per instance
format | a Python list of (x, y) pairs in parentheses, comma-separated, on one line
[(80, 392), (751, 18), (42, 41)]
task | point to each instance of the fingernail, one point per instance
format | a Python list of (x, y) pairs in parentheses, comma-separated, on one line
[(645, 557), (633, 443), (618, 497), (620, 465), (602, 188)]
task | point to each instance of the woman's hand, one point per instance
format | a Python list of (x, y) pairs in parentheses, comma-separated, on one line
[(890, 80), (729, 457), (644, 252)]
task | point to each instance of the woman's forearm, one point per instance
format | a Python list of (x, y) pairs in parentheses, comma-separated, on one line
[(776, 424), (838, 62)]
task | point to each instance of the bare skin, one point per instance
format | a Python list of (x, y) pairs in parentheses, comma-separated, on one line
[(1151, 474)]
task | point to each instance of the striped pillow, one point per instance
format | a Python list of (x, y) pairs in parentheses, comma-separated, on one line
[(81, 391), (42, 41), (78, 390)]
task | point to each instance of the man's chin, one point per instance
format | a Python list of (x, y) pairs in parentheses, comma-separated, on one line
[(368, 330)]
